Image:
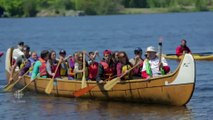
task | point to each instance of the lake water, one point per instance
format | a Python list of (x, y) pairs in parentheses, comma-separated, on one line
[(118, 32)]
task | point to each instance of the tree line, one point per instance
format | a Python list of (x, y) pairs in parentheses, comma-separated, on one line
[(30, 8)]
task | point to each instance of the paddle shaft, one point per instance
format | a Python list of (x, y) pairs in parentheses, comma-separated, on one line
[(14, 67), (25, 86), (28, 83), (15, 77), (10, 86), (83, 81), (130, 70), (160, 51), (110, 84), (49, 87)]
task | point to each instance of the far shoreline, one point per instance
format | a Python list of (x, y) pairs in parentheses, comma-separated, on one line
[(125, 11)]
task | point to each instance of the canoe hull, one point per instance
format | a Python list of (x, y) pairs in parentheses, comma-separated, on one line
[(173, 89), (196, 57), (144, 92)]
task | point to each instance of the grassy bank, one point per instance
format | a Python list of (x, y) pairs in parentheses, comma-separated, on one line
[(162, 10)]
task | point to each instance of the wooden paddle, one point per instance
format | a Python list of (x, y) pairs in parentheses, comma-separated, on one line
[(11, 82), (83, 91), (19, 91), (160, 48), (86, 89), (49, 86), (83, 81), (10, 86), (110, 84)]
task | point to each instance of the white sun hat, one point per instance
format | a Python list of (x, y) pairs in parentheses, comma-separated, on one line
[(150, 49)]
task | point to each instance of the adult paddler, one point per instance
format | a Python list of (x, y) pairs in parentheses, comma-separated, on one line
[(40, 66), (106, 68), (152, 66), (183, 48), (20, 61)]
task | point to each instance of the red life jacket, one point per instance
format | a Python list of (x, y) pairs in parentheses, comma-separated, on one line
[(93, 70), (43, 69), (53, 68), (108, 70)]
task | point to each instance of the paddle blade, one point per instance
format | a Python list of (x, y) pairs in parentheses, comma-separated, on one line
[(6, 85), (9, 87), (83, 82), (110, 84), (83, 91), (49, 87)]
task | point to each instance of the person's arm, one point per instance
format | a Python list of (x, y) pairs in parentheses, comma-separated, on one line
[(48, 67), (165, 67), (25, 68), (17, 63), (12, 71), (100, 72), (63, 65), (144, 74)]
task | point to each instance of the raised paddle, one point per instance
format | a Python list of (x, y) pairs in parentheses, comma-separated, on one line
[(160, 48), (49, 86), (110, 84), (83, 81), (10, 86)]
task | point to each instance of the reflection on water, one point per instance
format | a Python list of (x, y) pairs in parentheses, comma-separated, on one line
[(115, 110), (47, 107)]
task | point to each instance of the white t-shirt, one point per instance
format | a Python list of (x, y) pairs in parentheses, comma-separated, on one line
[(154, 66), (16, 53)]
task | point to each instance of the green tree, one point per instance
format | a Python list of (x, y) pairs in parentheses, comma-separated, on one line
[(14, 7), (29, 8), (201, 5), (1, 11)]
